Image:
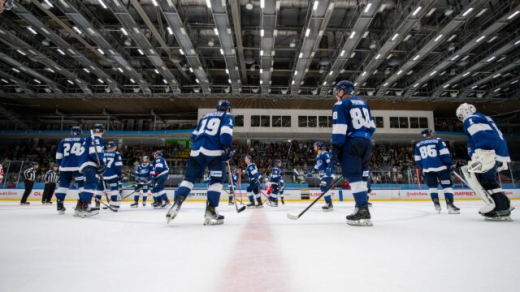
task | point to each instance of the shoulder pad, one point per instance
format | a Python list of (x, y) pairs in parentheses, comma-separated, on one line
[(338, 103)]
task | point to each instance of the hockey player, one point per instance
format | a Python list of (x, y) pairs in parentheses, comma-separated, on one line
[(253, 189), (275, 178), (143, 177), (433, 158), (325, 172), (92, 165), (353, 126), (68, 155), (113, 173), (212, 146), (160, 174), (489, 155)]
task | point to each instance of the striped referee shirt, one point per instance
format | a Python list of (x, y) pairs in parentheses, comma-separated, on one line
[(51, 176), (30, 174)]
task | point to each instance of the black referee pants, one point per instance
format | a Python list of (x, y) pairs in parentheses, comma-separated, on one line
[(48, 191), (28, 188)]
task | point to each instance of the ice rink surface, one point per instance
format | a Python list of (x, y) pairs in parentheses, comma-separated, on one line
[(410, 248)]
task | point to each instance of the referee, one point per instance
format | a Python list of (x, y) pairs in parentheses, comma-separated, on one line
[(29, 176), (51, 179)]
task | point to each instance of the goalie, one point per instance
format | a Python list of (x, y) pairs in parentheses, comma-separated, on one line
[(487, 149)]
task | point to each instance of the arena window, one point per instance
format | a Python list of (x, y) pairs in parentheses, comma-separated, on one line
[(255, 121), (379, 122), (403, 122), (312, 121), (414, 123), (302, 121), (239, 121), (265, 121)]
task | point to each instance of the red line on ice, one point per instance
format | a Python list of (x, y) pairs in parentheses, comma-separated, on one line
[(255, 263)]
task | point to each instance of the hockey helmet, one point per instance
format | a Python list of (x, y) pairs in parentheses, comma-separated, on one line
[(426, 132), (111, 144), (465, 110), (276, 162), (158, 153), (345, 85), (319, 145), (98, 128), (146, 159), (223, 105), (76, 131)]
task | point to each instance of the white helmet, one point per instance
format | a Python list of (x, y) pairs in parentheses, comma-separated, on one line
[(465, 110)]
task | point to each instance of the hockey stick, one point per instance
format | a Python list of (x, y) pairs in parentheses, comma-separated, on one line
[(294, 217), (138, 189), (242, 208), (100, 175), (485, 195)]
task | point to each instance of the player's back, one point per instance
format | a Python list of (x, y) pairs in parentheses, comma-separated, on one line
[(429, 153), (352, 118), (92, 151), (113, 164), (69, 152), (501, 147), (214, 131)]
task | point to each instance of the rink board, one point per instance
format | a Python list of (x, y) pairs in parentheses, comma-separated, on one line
[(290, 195)]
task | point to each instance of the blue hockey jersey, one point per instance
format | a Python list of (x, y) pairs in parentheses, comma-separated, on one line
[(89, 157), (161, 167), (483, 133), (68, 153), (252, 172), (322, 162), (276, 175), (213, 133), (351, 117), (432, 155), (114, 165), (143, 173)]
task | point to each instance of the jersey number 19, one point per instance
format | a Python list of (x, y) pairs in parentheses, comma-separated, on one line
[(210, 126)]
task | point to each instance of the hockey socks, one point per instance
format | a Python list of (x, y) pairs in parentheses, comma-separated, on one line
[(328, 199)]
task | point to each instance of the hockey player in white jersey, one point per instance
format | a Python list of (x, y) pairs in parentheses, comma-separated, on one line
[(489, 155), (432, 156)]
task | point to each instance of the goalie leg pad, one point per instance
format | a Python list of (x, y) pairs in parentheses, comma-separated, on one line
[(475, 185)]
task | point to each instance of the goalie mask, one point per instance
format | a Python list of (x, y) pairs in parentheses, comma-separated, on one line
[(465, 110)]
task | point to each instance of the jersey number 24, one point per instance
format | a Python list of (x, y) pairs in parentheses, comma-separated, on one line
[(76, 149)]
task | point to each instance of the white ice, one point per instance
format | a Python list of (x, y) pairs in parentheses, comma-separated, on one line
[(409, 248)]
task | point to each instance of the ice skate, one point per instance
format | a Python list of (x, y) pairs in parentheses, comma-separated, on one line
[(437, 206), (134, 205), (360, 217), (251, 206), (369, 204), (157, 204), (77, 210), (328, 208), (144, 204), (212, 217), (98, 203), (25, 204), (498, 215), (61, 209), (283, 201), (174, 210), (231, 203), (452, 209), (165, 204), (84, 210)]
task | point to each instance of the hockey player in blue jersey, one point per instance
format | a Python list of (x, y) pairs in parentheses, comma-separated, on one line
[(143, 177), (67, 157), (325, 172), (113, 174), (160, 174), (353, 126), (253, 189), (274, 179), (433, 158), (212, 146), (91, 165), (489, 155)]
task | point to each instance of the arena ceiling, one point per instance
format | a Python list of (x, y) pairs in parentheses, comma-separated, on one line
[(392, 49)]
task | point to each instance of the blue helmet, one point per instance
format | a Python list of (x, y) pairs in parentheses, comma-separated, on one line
[(158, 153), (98, 128), (319, 144), (426, 132), (345, 85), (223, 105), (276, 162), (76, 131), (111, 144)]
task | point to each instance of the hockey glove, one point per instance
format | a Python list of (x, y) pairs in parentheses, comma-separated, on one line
[(482, 161), (228, 154), (101, 169), (451, 168)]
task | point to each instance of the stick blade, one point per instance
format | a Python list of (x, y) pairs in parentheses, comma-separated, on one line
[(292, 217), (241, 209)]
